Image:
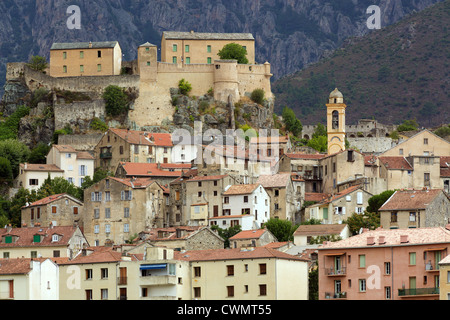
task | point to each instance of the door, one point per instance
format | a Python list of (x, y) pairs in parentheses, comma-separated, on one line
[(325, 213), (437, 258), (123, 275), (123, 293), (412, 285), (216, 211), (337, 264)]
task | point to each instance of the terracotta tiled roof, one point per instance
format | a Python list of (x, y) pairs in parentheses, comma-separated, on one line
[(64, 148), (445, 167), (316, 197), (40, 167), (342, 194), (84, 155), (320, 229), (137, 183), (393, 237), (206, 178), (410, 199), (170, 233), (239, 189), (25, 236), (101, 255), (15, 266), (234, 254), (144, 138), (249, 234), (370, 161), (279, 180), (150, 170), (51, 199), (396, 163)]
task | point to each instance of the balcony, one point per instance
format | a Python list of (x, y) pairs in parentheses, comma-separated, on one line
[(431, 267), (336, 295), (418, 292), (106, 155), (336, 272), (158, 280)]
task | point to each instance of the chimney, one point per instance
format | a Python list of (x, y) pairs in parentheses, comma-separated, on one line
[(370, 241), (90, 44), (404, 239), (8, 228)]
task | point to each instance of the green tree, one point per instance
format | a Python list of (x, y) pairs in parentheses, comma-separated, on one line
[(39, 154), (38, 63), (313, 283), (184, 86), (59, 185), (311, 221), (258, 96), (319, 143), (22, 197), (443, 131), (226, 234), (234, 51), (367, 220), (408, 125), (292, 123), (16, 152), (116, 100), (283, 230), (375, 202), (6, 173), (321, 130)]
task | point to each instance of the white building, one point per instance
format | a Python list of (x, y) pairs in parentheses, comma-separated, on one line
[(245, 205)]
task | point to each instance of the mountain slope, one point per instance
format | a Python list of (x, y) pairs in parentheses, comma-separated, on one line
[(289, 34), (399, 72)]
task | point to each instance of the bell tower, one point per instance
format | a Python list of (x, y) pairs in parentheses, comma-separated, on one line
[(336, 122)]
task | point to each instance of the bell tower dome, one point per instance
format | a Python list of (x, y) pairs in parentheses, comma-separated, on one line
[(336, 122)]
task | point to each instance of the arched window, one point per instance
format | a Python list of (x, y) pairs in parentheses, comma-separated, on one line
[(335, 120)]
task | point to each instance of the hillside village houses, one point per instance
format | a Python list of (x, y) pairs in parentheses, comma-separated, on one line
[(147, 231)]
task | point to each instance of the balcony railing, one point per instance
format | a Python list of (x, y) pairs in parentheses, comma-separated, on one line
[(417, 292), (431, 267), (336, 272), (106, 155), (122, 280), (335, 295)]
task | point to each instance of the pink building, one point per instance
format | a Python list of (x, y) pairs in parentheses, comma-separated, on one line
[(399, 264)]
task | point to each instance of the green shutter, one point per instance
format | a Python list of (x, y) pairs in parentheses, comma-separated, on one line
[(188, 60), (412, 258), (8, 239), (362, 261), (209, 60), (325, 213), (37, 238)]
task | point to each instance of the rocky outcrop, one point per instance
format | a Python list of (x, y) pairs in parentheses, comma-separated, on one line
[(16, 94)]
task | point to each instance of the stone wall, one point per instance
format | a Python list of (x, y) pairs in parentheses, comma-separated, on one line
[(85, 142), (372, 145), (78, 114), (438, 212)]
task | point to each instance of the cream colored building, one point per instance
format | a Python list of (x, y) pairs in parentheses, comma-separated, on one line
[(246, 274), (85, 59), (32, 176), (202, 48), (444, 278)]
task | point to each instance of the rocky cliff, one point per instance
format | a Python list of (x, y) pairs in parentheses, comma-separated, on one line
[(290, 34)]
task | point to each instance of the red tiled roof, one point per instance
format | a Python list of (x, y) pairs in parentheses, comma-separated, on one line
[(51, 199), (15, 266), (206, 178), (370, 160), (40, 167), (137, 183), (445, 167), (100, 255), (341, 194), (249, 234), (316, 197), (305, 156), (144, 138), (320, 229), (234, 254), (150, 170), (279, 180), (171, 233), (410, 199), (25, 236), (239, 189), (396, 163), (64, 148)]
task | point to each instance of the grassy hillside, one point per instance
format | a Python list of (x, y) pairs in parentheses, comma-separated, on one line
[(397, 73)]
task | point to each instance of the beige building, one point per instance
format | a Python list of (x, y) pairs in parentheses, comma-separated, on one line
[(164, 173), (246, 274), (55, 210), (444, 278), (202, 48), (424, 143), (32, 176), (252, 238), (116, 209), (416, 209), (122, 145), (336, 122), (39, 242), (85, 59)]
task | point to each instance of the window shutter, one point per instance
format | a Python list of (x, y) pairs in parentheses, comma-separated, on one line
[(359, 198), (100, 196), (343, 210), (336, 210), (130, 195), (122, 195), (92, 196)]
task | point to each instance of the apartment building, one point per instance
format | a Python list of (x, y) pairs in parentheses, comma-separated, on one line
[(399, 264), (415, 209), (246, 274)]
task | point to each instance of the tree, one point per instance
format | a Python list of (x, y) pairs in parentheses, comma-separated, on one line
[(116, 100), (39, 154), (38, 63), (258, 96), (408, 125), (367, 220), (311, 221), (59, 185), (22, 197), (16, 152), (184, 86), (283, 230), (292, 123), (6, 173), (234, 51), (226, 234), (319, 143), (375, 202)]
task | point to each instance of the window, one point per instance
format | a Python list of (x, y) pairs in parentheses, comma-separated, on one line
[(412, 217), (277, 192), (262, 290), (226, 200), (99, 53), (425, 141), (81, 54), (400, 152), (36, 238), (107, 196), (393, 216), (88, 294), (262, 268), (230, 291), (121, 149), (64, 69), (96, 196), (197, 292), (426, 177), (107, 228), (8, 239), (359, 198), (88, 274), (362, 261), (33, 182), (148, 63), (55, 238), (126, 195), (209, 60), (81, 68), (197, 271), (186, 48), (387, 293), (75, 210), (245, 199), (362, 285), (412, 258), (104, 293), (126, 227), (107, 213), (56, 254), (174, 48), (188, 60), (54, 209), (104, 273), (96, 213), (174, 59), (97, 229), (126, 212), (208, 49), (230, 270), (64, 55), (99, 67), (387, 268)]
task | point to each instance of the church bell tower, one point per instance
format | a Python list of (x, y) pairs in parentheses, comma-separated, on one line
[(336, 122)]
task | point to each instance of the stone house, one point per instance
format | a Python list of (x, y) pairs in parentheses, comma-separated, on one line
[(415, 209), (117, 209), (283, 198), (247, 205), (55, 210), (85, 59), (305, 233), (269, 147), (445, 173), (339, 206), (252, 238), (164, 173), (46, 242), (77, 165), (183, 238), (122, 145)]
